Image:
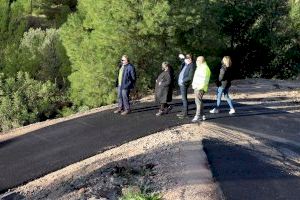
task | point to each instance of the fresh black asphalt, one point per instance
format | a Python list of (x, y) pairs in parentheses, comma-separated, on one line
[(243, 174), (33, 155), (240, 173)]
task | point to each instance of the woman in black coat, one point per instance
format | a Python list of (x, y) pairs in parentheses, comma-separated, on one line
[(164, 88)]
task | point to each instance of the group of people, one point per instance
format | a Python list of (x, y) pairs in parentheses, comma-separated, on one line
[(198, 76)]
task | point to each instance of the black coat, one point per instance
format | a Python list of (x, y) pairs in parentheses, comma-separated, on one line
[(164, 91), (225, 77)]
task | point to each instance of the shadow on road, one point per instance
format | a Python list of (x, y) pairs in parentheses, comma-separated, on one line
[(243, 176)]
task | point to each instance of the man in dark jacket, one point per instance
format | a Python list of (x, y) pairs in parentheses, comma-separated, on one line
[(125, 82), (184, 81)]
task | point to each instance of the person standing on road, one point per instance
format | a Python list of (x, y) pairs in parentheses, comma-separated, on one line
[(164, 88), (200, 86), (223, 84), (125, 83), (184, 80)]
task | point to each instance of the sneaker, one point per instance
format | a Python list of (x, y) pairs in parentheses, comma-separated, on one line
[(232, 111), (215, 110), (159, 113), (125, 112), (118, 111), (195, 119), (198, 118)]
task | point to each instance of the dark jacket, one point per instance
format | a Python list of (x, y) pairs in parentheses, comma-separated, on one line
[(129, 77), (225, 77), (164, 91), (188, 74)]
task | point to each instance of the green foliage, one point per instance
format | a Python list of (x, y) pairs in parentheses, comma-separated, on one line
[(56, 11), (24, 100), (140, 196), (77, 44), (103, 33), (41, 54), (13, 24), (295, 14), (257, 34), (66, 111), (44, 57)]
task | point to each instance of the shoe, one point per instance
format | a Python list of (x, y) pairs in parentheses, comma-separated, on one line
[(195, 119), (168, 109), (125, 112), (198, 118), (215, 110), (159, 113), (118, 111), (232, 111)]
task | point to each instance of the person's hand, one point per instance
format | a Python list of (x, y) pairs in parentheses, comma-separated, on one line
[(218, 83), (181, 56)]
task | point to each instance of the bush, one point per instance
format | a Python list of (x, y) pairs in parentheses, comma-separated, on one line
[(140, 196), (66, 111), (43, 56), (24, 101)]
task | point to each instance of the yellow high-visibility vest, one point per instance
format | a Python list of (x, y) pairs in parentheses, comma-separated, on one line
[(201, 77)]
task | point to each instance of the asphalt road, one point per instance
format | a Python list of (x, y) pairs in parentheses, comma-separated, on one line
[(247, 174), (241, 173), (36, 154)]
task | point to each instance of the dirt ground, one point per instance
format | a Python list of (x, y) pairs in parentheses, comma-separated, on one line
[(171, 163)]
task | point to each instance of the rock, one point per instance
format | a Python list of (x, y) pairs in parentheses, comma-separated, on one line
[(130, 190), (95, 198)]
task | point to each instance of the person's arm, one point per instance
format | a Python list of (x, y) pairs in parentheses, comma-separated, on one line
[(221, 75), (181, 58), (133, 75), (117, 76)]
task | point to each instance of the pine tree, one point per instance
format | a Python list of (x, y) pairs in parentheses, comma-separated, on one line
[(100, 32), (56, 11)]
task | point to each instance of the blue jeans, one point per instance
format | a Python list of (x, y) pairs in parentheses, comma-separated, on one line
[(183, 92), (123, 99), (224, 91)]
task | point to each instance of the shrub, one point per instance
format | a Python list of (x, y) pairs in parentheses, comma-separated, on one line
[(24, 101)]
